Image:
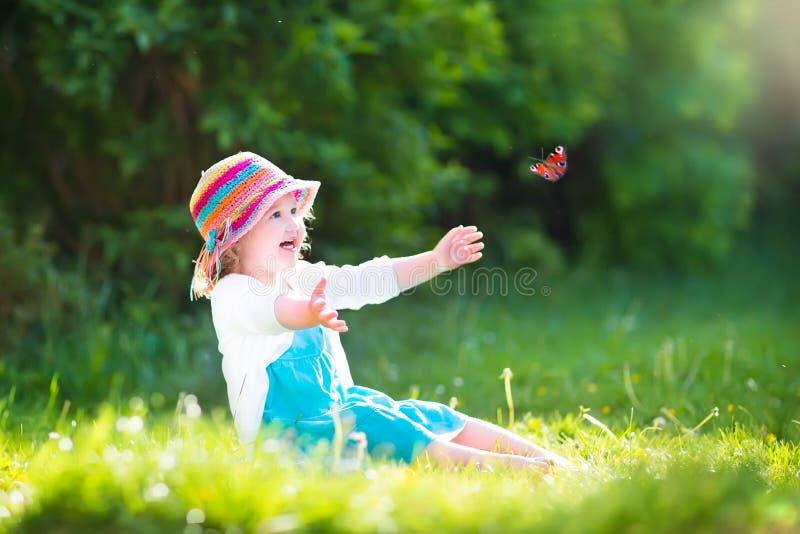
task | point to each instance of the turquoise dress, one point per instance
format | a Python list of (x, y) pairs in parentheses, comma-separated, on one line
[(304, 387)]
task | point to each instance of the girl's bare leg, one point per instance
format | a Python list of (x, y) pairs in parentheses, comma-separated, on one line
[(488, 437), (449, 454)]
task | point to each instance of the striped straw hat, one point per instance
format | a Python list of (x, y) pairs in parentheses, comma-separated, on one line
[(231, 197)]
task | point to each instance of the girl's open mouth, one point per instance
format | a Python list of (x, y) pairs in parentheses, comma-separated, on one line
[(289, 245)]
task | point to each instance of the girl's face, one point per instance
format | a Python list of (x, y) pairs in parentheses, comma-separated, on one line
[(273, 244)]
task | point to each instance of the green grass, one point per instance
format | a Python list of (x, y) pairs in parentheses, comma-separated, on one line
[(651, 357)]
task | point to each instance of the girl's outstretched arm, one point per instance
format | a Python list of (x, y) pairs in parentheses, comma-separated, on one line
[(459, 246), (296, 312)]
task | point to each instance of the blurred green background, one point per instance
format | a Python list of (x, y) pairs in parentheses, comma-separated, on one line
[(681, 120)]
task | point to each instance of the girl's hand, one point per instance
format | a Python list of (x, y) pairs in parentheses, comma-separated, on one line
[(326, 315), (459, 246)]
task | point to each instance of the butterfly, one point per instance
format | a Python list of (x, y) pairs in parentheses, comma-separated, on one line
[(553, 167)]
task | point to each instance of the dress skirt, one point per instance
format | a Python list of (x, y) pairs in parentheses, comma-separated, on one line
[(305, 394)]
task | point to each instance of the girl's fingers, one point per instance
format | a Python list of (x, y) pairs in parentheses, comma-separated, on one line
[(327, 316), (452, 233), (319, 305), (466, 230), (337, 325), (472, 237), (468, 253)]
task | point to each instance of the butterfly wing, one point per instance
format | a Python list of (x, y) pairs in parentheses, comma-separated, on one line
[(554, 166)]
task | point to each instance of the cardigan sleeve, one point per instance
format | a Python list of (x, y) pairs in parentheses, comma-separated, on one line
[(245, 305), (350, 286)]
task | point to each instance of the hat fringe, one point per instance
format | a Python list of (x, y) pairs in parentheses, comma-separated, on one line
[(207, 266)]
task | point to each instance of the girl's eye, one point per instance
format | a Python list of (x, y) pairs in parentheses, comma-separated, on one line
[(276, 215), (294, 211)]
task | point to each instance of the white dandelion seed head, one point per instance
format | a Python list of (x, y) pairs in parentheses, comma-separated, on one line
[(195, 516), (122, 424), (193, 411), (110, 454), (135, 424), (157, 492), (130, 425), (281, 523), (127, 456), (16, 497), (65, 444), (168, 461)]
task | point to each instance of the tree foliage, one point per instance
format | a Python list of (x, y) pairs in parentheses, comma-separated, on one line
[(410, 114)]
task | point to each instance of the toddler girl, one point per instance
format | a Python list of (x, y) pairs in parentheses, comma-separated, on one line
[(278, 330)]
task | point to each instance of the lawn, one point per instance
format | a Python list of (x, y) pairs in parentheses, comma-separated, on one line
[(677, 395)]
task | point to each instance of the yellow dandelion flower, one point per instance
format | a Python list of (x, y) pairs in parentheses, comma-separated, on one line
[(671, 412), (771, 438), (635, 379), (730, 408), (606, 409)]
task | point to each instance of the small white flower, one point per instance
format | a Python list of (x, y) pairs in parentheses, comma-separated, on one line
[(65, 444), (54, 435), (190, 400), (193, 411)]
